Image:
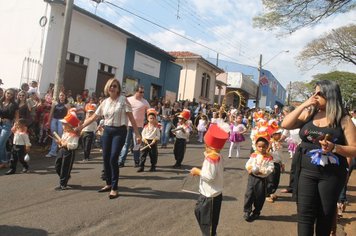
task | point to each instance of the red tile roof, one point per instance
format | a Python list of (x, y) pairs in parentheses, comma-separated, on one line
[(182, 54)]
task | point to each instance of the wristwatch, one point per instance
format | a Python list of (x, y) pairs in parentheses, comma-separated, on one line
[(334, 149)]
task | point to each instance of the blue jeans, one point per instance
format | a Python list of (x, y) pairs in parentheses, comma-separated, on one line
[(136, 153), (113, 140), (5, 133), (166, 129), (56, 126)]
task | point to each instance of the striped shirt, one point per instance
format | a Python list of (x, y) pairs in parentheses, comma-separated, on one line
[(114, 111)]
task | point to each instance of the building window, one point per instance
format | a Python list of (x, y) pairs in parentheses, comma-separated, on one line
[(77, 59), (205, 85), (107, 68)]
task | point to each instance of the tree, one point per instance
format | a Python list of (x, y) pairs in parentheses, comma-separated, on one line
[(346, 81), (291, 15), (300, 91), (332, 48)]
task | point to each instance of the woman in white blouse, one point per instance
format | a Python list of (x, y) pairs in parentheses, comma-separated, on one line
[(116, 111)]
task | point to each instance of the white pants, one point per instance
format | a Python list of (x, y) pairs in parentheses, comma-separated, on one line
[(232, 146)]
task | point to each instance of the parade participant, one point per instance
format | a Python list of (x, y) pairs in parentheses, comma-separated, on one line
[(150, 136), (207, 210), (259, 166), (202, 127), (67, 144), (88, 133), (274, 178), (58, 111), (115, 109), (182, 135), (321, 168), (21, 146), (139, 106), (237, 131), (8, 114)]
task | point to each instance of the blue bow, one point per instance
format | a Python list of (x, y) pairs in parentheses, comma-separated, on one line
[(321, 159)]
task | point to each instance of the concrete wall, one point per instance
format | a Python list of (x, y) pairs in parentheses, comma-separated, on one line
[(88, 38)]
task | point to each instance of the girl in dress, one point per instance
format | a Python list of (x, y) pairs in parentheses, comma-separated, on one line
[(237, 130), (203, 123)]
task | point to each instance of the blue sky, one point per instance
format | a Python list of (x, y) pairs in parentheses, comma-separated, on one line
[(223, 26)]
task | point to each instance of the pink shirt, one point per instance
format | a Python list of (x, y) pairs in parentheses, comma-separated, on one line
[(139, 108)]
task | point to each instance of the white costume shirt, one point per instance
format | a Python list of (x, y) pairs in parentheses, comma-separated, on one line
[(211, 176)]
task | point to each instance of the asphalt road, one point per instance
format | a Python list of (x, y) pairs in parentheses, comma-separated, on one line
[(150, 203)]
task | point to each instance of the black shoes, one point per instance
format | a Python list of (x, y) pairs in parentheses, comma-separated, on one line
[(249, 218), (121, 164), (140, 169), (24, 170), (10, 172), (153, 169), (177, 166)]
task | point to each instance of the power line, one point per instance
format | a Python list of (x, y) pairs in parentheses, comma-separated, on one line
[(169, 30)]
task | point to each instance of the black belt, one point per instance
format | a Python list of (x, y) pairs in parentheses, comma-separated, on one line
[(117, 127)]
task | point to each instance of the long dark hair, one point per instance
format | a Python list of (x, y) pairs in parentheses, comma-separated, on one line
[(334, 109), (12, 98)]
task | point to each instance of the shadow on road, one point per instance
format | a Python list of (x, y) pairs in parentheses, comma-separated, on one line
[(284, 218), (7, 230)]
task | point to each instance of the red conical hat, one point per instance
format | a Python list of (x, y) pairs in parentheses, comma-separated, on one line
[(71, 119), (185, 114), (215, 137)]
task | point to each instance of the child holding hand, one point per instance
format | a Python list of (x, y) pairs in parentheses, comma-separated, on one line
[(67, 145), (207, 210)]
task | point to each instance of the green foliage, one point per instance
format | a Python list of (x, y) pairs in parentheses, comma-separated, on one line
[(291, 15), (346, 81)]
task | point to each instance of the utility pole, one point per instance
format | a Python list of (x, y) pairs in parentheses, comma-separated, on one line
[(61, 63), (259, 81), (289, 91)]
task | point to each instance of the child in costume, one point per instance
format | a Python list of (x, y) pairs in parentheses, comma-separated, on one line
[(88, 132), (150, 136), (182, 135), (202, 125), (67, 145), (274, 178), (207, 210), (237, 130), (259, 166), (21, 146)]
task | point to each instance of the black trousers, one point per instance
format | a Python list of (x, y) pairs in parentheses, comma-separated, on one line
[(152, 152), (64, 164), (207, 212), (87, 139), (292, 172), (273, 179), (18, 154), (318, 193), (255, 194), (179, 150)]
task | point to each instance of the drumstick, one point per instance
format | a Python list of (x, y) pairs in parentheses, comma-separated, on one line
[(56, 135), (145, 147)]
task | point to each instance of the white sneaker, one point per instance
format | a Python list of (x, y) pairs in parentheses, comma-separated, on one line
[(48, 155)]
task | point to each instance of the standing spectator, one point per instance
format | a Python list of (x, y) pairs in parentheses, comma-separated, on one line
[(139, 106), (115, 109), (8, 114), (1, 92), (24, 111), (25, 88), (320, 177), (21, 146), (34, 88), (58, 112), (70, 98), (80, 106), (166, 123)]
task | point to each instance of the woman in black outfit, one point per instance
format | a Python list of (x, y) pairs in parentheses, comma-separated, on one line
[(327, 131)]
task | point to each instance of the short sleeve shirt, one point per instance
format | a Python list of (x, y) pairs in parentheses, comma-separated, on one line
[(114, 111)]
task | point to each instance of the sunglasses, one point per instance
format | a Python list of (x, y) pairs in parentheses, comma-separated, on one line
[(320, 94), (141, 92), (113, 86)]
